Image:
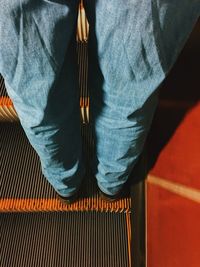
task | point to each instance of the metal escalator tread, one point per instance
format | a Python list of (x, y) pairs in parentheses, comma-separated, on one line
[(77, 239), (3, 92), (23, 187)]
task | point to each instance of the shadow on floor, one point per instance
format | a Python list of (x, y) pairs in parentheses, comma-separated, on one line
[(179, 94)]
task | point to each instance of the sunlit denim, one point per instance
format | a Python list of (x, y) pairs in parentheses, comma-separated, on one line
[(132, 46)]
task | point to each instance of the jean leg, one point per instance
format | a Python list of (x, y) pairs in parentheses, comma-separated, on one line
[(132, 46), (38, 63)]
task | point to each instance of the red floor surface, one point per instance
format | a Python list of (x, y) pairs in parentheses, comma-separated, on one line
[(173, 230), (179, 161), (173, 220)]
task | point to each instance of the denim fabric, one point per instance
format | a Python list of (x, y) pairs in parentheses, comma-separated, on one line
[(38, 62), (132, 46)]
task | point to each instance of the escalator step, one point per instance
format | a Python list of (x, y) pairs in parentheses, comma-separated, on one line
[(23, 187), (65, 239)]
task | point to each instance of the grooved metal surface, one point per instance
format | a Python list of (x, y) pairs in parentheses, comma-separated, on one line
[(82, 55), (24, 188), (82, 24), (64, 240), (2, 87), (21, 175), (7, 110)]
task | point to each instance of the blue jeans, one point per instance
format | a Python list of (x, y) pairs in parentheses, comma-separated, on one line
[(132, 46)]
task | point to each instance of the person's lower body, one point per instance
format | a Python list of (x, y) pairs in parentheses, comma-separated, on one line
[(132, 46)]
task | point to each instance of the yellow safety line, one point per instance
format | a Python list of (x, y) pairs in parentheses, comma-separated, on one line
[(179, 189)]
